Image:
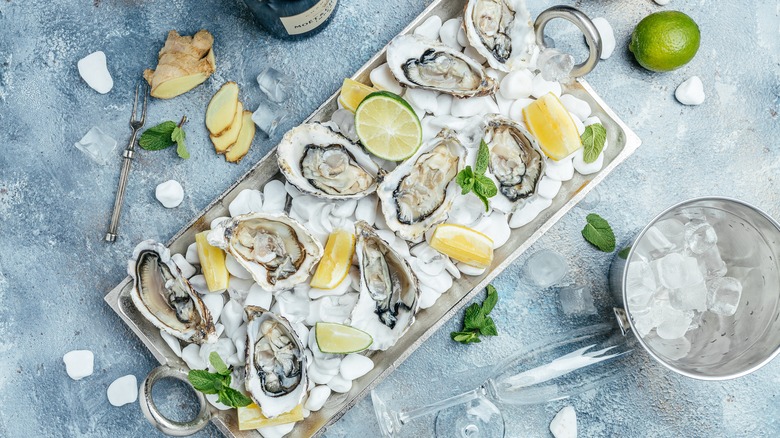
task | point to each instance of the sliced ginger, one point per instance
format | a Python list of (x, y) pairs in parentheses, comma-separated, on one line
[(222, 109), (244, 141), (223, 141), (183, 63)]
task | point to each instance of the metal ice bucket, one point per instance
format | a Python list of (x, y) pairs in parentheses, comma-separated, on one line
[(724, 347)]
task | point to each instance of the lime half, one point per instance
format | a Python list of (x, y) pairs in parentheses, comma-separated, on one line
[(387, 126), (340, 338)]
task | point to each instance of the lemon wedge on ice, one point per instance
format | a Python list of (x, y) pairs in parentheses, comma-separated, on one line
[(335, 263), (251, 417), (463, 244), (352, 93), (553, 127), (212, 263)]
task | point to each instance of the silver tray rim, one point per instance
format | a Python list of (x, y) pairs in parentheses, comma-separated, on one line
[(157, 348)]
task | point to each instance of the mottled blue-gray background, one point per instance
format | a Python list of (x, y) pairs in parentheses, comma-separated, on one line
[(55, 202)]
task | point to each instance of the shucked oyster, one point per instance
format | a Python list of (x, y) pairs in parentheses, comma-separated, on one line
[(275, 362), (277, 250), (389, 295), (166, 298), (419, 192), (417, 62), (502, 32), (516, 161), (324, 163)]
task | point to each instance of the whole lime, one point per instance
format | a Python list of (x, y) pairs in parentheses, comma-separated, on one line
[(665, 41)]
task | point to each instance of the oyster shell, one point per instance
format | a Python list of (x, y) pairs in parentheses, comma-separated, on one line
[(502, 32), (277, 250), (389, 294), (420, 63), (419, 192), (275, 362), (165, 297), (516, 161), (324, 163)]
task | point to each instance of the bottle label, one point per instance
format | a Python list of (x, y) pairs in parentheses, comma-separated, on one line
[(310, 19)]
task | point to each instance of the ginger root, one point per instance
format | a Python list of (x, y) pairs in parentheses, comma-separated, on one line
[(183, 63)]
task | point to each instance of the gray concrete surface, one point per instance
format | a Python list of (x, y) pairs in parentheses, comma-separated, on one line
[(54, 202)]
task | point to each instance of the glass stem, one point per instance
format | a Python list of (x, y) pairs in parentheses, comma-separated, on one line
[(408, 415)]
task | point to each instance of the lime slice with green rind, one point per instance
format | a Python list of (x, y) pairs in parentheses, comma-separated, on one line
[(388, 126), (340, 339)]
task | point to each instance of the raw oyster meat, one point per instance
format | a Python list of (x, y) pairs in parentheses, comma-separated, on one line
[(324, 163), (502, 32), (275, 362), (277, 250), (165, 297), (417, 62), (516, 161), (419, 192), (389, 294)]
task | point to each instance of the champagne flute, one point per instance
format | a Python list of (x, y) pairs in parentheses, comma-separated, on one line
[(553, 370)]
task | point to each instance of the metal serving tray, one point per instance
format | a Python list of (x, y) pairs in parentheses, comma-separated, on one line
[(623, 142)]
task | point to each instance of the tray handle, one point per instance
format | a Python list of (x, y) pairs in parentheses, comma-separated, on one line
[(160, 421), (582, 22)]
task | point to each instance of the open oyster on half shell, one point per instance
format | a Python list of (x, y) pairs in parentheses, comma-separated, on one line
[(420, 63), (516, 160), (389, 294), (277, 250), (324, 163), (165, 297), (502, 32), (275, 362), (419, 192)]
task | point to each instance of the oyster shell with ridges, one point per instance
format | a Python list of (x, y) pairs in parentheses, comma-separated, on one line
[(516, 160), (502, 32)]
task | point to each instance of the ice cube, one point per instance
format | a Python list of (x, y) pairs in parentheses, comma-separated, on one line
[(97, 145), (640, 283), (268, 116), (564, 425), (576, 300), (671, 349), (711, 264), (700, 236), (654, 244), (724, 295), (555, 65), (692, 297), (275, 84), (79, 363), (123, 390), (170, 193), (94, 71), (674, 231), (675, 323), (546, 268), (676, 271)]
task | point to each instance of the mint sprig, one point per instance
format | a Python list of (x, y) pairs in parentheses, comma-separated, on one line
[(218, 383), (476, 321), (165, 135), (593, 140), (474, 180), (598, 233)]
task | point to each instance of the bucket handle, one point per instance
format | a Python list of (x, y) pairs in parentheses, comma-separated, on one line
[(160, 421), (586, 26)]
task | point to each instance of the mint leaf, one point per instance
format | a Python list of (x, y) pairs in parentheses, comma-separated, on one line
[(178, 135), (483, 156), (623, 254), (465, 180), (598, 233), (231, 397), (490, 300), (157, 137), (593, 140), (485, 186), (465, 337), (218, 363), (474, 317), (484, 201), (203, 381), (488, 328)]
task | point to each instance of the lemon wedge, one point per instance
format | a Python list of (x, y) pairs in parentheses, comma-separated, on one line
[(212, 264), (463, 244), (387, 126), (551, 124), (251, 417), (352, 93), (335, 263), (340, 339)]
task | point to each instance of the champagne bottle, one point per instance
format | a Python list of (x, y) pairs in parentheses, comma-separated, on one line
[(292, 18)]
